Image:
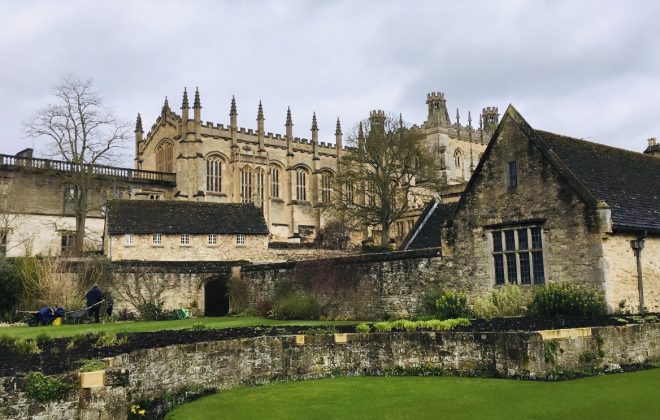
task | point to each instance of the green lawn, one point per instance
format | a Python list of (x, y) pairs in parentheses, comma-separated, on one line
[(621, 396), (141, 326)]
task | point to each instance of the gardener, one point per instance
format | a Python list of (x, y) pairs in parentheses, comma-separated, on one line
[(94, 296)]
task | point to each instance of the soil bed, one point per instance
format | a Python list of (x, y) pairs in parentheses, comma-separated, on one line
[(57, 358)]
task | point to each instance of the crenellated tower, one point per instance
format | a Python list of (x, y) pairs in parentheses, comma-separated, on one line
[(438, 116), (490, 118)]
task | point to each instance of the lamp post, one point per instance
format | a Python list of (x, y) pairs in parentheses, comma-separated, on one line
[(637, 245)]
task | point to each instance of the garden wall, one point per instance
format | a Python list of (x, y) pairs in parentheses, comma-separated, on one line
[(154, 373), (372, 286)]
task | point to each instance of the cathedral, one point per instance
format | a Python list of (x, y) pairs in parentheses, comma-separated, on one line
[(289, 177)]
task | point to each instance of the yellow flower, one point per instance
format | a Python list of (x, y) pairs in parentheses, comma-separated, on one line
[(141, 412)]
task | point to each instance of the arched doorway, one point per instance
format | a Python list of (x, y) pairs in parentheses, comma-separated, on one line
[(216, 300)]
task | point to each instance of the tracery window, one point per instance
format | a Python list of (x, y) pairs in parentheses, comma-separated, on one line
[(301, 185), (260, 191), (326, 187), (274, 182), (246, 184), (165, 157), (214, 174), (350, 193)]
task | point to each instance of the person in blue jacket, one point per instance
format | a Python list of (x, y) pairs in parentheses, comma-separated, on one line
[(94, 296)]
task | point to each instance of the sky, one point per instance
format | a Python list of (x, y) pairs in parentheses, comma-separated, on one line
[(587, 69)]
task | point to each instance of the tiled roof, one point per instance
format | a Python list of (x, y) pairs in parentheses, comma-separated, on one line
[(173, 217), (426, 231), (628, 182)]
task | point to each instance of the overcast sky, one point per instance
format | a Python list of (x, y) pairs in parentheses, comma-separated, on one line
[(588, 69)]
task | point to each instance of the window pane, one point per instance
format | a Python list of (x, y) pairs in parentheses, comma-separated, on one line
[(536, 238), (522, 239), (513, 174), (512, 270), (539, 275), (497, 241), (525, 273), (510, 240), (499, 269)]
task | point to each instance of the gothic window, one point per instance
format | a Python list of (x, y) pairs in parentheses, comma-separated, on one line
[(458, 159), (326, 187), (274, 182), (214, 174), (246, 184), (301, 185), (370, 194), (399, 229), (69, 199), (260, 191), (518, 255), (165, 157), (513, 174), (350, 193), (67, 241)]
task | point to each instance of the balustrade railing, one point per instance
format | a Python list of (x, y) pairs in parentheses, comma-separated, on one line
[(100, 170)]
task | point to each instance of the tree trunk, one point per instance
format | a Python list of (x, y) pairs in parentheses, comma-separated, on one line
[(385, 235)]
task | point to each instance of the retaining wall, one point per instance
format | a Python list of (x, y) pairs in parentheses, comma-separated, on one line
[(153, 373)]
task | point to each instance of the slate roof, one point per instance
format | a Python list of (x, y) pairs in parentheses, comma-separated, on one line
[(426, 231), (174, 217), (628, 182)]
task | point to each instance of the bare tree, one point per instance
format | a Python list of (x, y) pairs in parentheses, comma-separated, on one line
[(383, 172), (83, 133)]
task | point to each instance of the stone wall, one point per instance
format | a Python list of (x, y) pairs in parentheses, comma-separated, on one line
[(620, 266), (376, 286), (153, 373)]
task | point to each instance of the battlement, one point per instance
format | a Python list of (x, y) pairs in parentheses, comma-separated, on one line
[(652, 141), (435, 96), (489, 110), (377, 113)]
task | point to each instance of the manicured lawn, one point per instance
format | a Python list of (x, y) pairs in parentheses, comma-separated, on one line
[(621, 396), (140, 326)]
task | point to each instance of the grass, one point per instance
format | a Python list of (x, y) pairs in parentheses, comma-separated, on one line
[(629, 395), (142, 326)]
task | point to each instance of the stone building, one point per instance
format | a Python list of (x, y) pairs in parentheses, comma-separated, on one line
[(289, 177), (543, 208), (36, 202), (160, 230)]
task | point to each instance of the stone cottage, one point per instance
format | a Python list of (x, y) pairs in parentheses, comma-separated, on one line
[(542, 207), (160, 230)]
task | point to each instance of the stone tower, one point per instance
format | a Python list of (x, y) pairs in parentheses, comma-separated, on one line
[(490, 118), (438, 116)]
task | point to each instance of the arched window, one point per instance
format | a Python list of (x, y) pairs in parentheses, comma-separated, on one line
[(370, 193), (165, 157), (301, 185), (246, 184), (350, 193), (260, 176), (214, 174), (274, 181), (326, 187)]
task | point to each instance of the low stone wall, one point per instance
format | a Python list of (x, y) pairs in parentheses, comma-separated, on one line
[(372, 286), (153, 373)]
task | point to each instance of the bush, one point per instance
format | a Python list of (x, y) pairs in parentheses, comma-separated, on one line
[(26, 347), (452, 304), (108, 339), (154, 312), (433, 324), (42, 388), (563, 299), (297, 306), (10, 289), (506, 301), (90, 365), (125, 315), (362, 328), (427, 303)]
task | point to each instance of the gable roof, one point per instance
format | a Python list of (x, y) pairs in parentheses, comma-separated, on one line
[(173, 217), (628, 182), (426, 231)]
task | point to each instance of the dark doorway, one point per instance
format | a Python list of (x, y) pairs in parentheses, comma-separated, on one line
[(216, 301)]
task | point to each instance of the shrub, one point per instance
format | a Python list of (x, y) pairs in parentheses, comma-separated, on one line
[(432, 324), (362, 328), (383, 326), (7, 340), (109, 339), (427, 303), (452, 304), (297, 306), (154, 312), (199, 326), (43, 339), (563, 299), (125, 315), (506, 301), (90, 365), (26, 347), (10, 289), (42, 388)]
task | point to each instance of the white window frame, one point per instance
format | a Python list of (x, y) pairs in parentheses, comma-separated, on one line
[(213, 239), (156, 239), (128, 239), (185, 239), (240, 239)]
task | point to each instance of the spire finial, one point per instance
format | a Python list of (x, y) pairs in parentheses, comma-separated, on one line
[(400, 120), (315, 126), (260, 112), (184, 103), (197, 103), (360, 131), (289, 121), (458, 117), (138, 124), (338, 129), (166, 107), (232, 111), (469, 120)]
